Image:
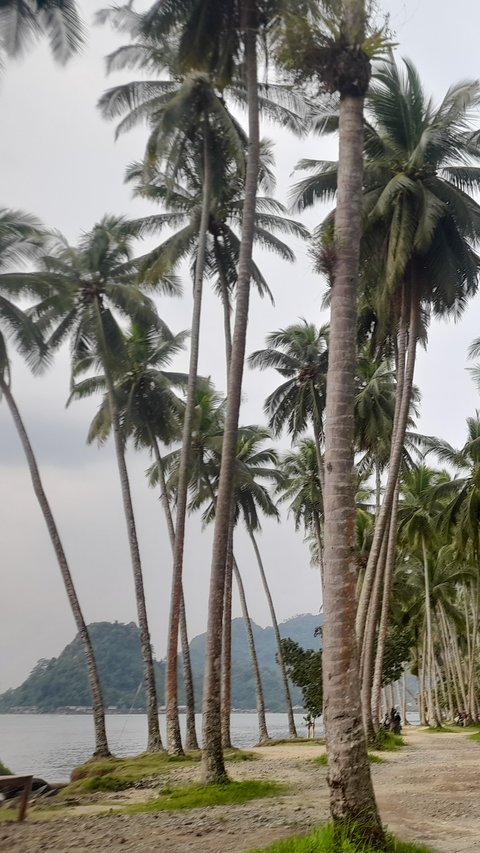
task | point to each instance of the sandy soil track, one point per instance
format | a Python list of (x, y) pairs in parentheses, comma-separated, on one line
[(428, 792)]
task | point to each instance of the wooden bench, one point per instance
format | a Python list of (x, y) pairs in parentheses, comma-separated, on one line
[(9, 783)]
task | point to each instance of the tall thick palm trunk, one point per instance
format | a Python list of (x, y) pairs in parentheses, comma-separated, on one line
[(154, 742), (262, 723), (227, 647), (191, 742), (173, 725), (101, 743), (213, 763), (278, 641), (352, 800)]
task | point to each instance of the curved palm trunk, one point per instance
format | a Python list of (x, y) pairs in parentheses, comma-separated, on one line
[(472, 669), (430, 663), (213, 763), (370, 643), (101, 743), (262, 723), (376, 684), (292, 731), (402, 407), (154, 742), (173, 725), (352, 800), (191, 742)]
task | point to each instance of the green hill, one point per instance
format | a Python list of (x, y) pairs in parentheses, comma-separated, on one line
[(61, 683)]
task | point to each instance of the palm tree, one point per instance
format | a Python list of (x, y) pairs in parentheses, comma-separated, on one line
[(299, 483), (88, 289), (255, 463), (299, 353), (22, 237), (151, 413), (338, 61), (416, 523), (23, 21), (462, 510), (421, 226)]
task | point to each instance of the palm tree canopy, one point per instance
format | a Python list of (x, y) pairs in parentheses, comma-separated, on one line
[(146, 401), (299, 354), (422, 162), (23, 21), (88, 291), (22, 238)]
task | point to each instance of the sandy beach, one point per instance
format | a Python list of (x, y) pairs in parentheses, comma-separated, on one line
[(428, 792)]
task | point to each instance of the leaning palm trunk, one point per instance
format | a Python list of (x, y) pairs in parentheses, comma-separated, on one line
[(191, 742), (402, 407), (352, 800), (370, 645), (430, 667), (213, 763), (173, 725), (472, 669), (101, 743), (154, 742), (278, 641), (372, 692), (262, 723)]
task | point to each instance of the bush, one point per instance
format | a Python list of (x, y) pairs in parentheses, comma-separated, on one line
[(386, 741)]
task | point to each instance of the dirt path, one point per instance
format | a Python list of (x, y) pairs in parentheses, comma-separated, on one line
[(428, 792)]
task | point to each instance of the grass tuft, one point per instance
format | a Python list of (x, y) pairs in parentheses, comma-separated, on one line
[(386, 741), (328, 839), (322, 760), (202, 796), (474, 736), (294, 741), (4, 771)]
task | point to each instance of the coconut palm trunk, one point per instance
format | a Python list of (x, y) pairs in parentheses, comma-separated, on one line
[(227, 647), (213, 763), (371, 690), (101, 743), (154, 742), (262, 723), (191, 742), (292, 731), (352, 799), (173, 725), (430, 660), (402, 407)]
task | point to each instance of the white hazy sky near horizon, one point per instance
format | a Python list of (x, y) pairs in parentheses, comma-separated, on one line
[(58, 160)]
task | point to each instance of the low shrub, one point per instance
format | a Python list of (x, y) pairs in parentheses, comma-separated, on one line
[(386, 741)]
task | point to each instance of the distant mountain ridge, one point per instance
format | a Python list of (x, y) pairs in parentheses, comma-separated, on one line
[(60, 684)]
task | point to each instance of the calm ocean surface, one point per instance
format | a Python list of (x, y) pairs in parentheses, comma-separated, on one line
[(51, 745)]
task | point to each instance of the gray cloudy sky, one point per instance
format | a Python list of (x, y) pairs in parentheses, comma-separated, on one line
[(58, 160)]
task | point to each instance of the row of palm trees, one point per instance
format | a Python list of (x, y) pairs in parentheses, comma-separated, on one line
[(404, 229)]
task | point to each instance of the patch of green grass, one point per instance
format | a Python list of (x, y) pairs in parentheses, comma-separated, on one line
[(125, 771), (386, 741), (234, 754), (322, 760), (104, 783), (474, 736), (202, 796), (326, 839), (294, 741)]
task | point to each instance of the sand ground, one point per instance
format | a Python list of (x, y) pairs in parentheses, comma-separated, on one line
[(428, 792)]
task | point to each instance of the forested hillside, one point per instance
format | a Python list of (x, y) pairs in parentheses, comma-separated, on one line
[(61, 683)]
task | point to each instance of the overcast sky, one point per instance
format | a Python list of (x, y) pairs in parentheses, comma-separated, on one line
[(58, 159)]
